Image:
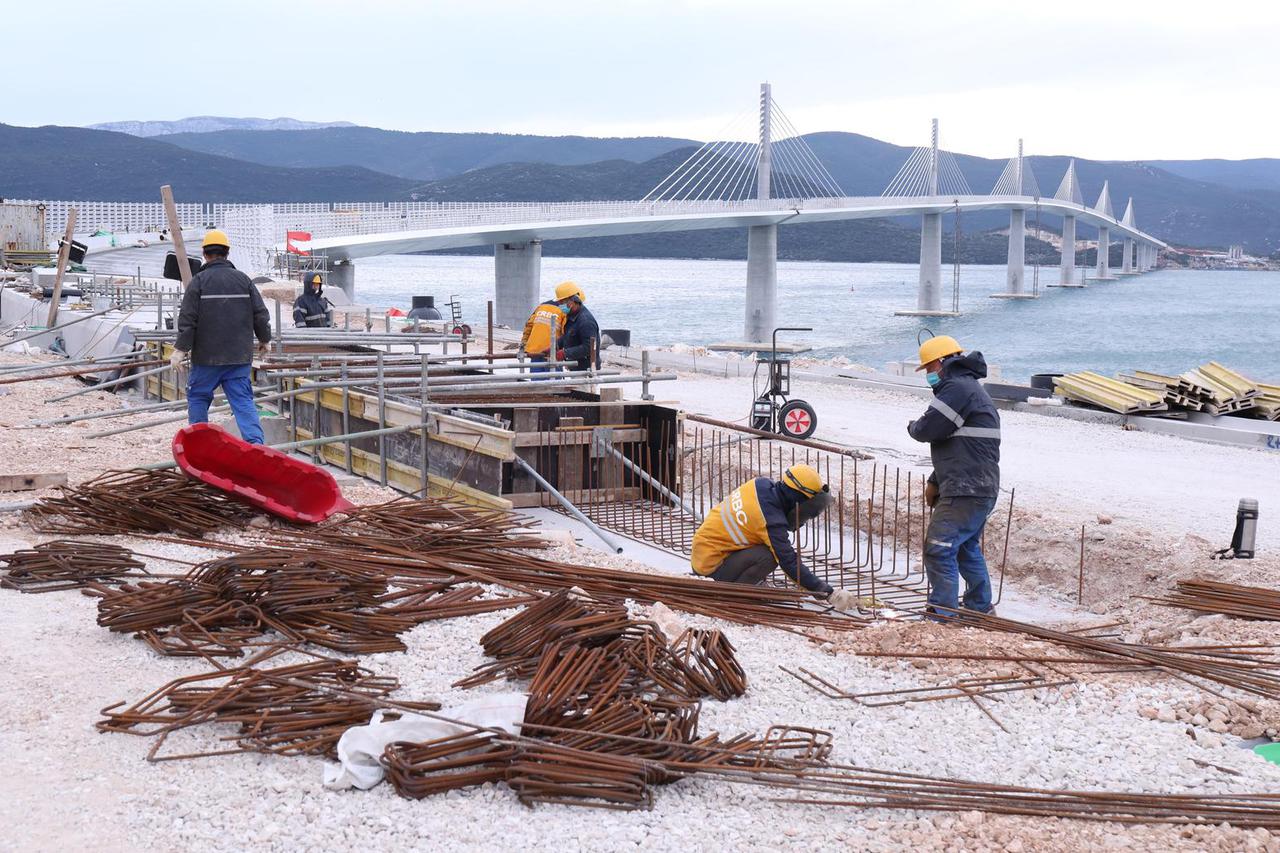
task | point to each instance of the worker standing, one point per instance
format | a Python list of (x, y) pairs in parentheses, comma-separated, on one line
[(962, 428), (544, 327), (581, 344), (312, 309), (221, 313), (747, 535)]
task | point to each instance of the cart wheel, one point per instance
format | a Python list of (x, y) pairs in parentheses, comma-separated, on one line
[(797, 419)]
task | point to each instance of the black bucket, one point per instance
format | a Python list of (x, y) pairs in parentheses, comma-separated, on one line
[(1044, 381), (620, 337)]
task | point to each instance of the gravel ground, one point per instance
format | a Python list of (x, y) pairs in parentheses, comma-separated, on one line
[(68, 786)]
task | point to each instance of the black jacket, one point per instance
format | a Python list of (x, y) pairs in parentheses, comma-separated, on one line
[(312, 309), (581, 335), (963, 431), (221, 313)]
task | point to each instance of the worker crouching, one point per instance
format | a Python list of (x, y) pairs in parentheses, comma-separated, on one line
[(312, 309), (962, 428), (747, 535)]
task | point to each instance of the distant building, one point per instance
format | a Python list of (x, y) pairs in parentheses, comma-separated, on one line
[(1235, 253)]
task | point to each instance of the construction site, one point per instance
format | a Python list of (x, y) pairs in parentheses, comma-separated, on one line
[(453, 607)]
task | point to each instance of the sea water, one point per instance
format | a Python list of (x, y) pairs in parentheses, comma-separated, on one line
[(1166, 321)]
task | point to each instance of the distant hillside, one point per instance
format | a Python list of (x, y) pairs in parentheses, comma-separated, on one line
[(97, 165), (423, 156), (208, 124), (1259, 174)]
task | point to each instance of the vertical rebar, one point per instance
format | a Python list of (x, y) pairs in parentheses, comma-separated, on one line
[(382, 418)]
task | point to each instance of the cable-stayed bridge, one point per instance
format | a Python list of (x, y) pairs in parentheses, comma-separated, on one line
[(768, 179)]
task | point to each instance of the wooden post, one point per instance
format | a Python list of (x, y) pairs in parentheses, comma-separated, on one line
[(175, 233), (63, 252)]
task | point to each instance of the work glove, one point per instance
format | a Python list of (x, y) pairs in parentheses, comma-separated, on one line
[(843, 599), (299, 325), (176, 357), (559, 355), (931, 493)]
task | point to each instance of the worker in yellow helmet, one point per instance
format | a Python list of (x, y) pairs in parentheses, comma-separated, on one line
[(312, 309), (747, 535), (962, 428), (222, 312), (545, 326), (581, 344)]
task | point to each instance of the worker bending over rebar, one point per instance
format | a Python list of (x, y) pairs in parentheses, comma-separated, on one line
[(962, 428), (747, 535)]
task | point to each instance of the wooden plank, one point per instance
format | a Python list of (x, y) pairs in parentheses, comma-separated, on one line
[(175, 234), (569, 468), (556, 438), (64, 252), (30, 482), (407, 478), (581, 496)]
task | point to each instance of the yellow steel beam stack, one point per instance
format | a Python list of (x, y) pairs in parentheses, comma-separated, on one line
[(1107, 393), (1229, 392)]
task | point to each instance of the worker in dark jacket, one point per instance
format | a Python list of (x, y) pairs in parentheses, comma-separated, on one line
[(748, 534), (311, 308), (581, 341), (962, 428), (222, 312)]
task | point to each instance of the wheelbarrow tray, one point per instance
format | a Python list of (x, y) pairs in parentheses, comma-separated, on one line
[(261, 476)]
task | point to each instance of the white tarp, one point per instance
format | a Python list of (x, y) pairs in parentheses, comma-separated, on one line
[(360, 747)]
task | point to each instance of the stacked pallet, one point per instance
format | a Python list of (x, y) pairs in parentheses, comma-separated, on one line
[(1211, 388), (1099, 390), (1227, 391)]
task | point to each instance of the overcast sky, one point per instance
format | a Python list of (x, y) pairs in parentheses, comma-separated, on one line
[(1123, 79)]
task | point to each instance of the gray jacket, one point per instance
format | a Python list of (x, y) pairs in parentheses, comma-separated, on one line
[(222, 311), (963, 431)]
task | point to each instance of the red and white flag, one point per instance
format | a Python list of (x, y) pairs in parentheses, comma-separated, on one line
[(298, 242)]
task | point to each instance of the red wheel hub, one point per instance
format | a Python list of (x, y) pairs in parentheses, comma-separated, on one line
[(796, 422)]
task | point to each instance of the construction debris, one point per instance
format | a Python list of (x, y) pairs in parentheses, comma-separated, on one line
[(1205, 596)]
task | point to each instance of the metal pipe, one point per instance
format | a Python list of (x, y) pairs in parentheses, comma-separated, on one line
[(308, 442), (107, 361), (567, 504), (119, 413), (644, 475), (60, 326), (114, 382)]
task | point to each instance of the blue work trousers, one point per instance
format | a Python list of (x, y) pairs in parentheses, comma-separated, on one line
[(953, 550), (542, 360), (234, 379)]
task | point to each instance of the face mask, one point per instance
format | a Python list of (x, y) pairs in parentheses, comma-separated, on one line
[(564, 309), (932, 378)]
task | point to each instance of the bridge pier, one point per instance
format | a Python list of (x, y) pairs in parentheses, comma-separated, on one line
[(517, 273), (1068, 264), (762, 283), (1126, 265), (342, 275), (1104, 253), (1017, 251), (929, 297)]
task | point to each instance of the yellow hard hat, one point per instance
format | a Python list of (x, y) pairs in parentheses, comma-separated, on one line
[(939, 346), (804, 479), (565, 289), (215, 237)]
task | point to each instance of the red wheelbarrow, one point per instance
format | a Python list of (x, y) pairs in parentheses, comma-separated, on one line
[(261, 476)]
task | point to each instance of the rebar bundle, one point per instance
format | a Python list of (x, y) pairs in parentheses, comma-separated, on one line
[(120, 502), (335, 601), (1245, 602), (297, 709), (63, 564)]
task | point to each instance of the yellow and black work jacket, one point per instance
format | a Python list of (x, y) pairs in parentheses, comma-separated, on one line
[(536, 339), (755, 513)]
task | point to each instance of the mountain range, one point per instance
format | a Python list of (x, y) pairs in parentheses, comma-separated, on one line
[(1198, 203), (209, 124)]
